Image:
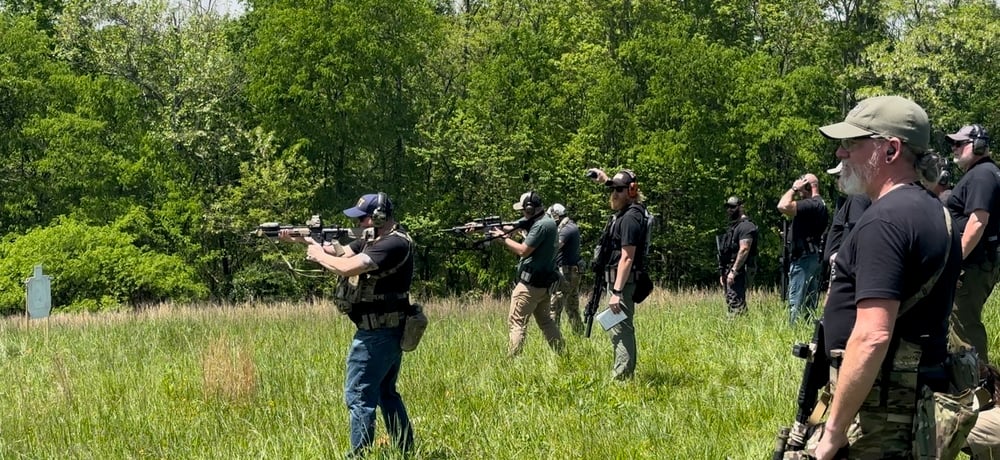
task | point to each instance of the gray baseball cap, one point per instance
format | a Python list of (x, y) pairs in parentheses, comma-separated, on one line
[(893, 116)]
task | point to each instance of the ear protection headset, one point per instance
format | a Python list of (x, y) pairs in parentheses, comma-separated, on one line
[(633, 185), (980, 139), (382, 211), (529, 202)]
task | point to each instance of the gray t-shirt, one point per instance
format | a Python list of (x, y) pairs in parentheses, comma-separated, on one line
[(569, 235)]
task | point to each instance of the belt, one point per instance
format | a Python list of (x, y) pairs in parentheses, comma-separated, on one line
[(391, 296), (611, 275), (380, 320)]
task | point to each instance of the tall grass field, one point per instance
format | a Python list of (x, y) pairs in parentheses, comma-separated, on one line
[(266, 381)]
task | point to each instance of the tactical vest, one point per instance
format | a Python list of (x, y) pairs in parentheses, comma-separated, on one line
[(361, 288)]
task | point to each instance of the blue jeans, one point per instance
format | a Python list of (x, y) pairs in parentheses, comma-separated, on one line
[(803, 287), (372, 369)]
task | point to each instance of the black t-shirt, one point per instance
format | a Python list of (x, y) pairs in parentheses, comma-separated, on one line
[(739, 230), (569, 237), (896, 247), (844, 220), (808, 225), (387, 252), (978, 189), (629, 229)]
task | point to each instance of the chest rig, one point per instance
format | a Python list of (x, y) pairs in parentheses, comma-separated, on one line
[(358, 289)]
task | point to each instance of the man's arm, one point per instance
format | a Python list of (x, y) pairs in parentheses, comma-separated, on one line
[(742, 255), (787, 204), (866, 349), (974, 231), (624, 268), (345, 266), (520, 249)]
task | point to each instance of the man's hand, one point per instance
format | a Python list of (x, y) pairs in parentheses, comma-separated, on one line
[(799, 184), (287, 235), (722, 281), (497, 233), (597, 175), (615, 303), (830, 443), (731, 278), (315, 251)]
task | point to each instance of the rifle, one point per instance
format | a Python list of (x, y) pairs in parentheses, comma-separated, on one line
[(485, 224), (786, 260), (480, 224), (602, 252), (312, 229), (815, 376), (718, 255), (594, 302)]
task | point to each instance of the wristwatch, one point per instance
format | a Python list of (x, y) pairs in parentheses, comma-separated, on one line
[(616, 291)]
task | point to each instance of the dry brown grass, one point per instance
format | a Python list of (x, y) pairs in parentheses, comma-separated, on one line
[(228, 371)]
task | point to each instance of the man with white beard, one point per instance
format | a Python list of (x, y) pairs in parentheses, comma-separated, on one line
[(886, 318)]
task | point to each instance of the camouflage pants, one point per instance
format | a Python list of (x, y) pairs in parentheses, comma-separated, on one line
[(567, 297), (882, 431)]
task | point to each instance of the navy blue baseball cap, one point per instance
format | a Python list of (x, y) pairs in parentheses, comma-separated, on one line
[(366, 206)]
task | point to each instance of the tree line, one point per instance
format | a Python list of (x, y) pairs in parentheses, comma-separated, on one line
[(143, 140)]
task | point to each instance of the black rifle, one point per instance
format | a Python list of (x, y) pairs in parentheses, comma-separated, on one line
[(602, 253), (786, 260), (719, 256), (312, 229), (594, 302), (814, 378)]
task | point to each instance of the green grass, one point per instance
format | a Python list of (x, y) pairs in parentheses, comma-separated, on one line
[(266, 382)]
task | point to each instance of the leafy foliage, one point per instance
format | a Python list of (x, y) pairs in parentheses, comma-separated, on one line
[(183, 129), (92, 268)]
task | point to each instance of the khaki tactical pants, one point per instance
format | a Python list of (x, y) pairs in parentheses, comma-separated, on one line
[(525, 302)]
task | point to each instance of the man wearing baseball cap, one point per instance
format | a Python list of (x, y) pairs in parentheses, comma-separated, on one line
[(886, 318), (566, 295), (975, 206), (536, 271), (375, 276), (624, 244), (737, 250)]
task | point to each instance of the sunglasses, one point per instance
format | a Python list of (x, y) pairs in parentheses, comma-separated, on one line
[(619, 189), (852, 143)]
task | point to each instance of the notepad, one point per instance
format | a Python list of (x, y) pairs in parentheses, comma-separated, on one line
[(609, 319)]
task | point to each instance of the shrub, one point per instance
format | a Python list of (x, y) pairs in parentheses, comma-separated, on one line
[(92, 268)]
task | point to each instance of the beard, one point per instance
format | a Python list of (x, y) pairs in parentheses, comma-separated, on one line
[(855, 180)]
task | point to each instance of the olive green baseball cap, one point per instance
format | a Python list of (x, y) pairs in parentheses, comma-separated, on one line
[(892, 116)]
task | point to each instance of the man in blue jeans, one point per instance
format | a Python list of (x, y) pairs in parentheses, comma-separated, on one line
[(807, 209), (376, 271)]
